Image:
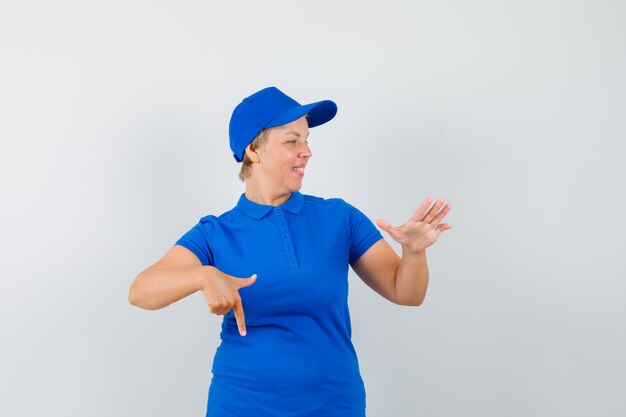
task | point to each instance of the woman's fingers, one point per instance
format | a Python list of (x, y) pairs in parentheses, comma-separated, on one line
[(245, 282), (442, 213), (389, 228), (224, 306), (423, 227), (238, 307), (240, 317), (224, 297), (422, 210), (383, 224), (432, 212), (220, 305)]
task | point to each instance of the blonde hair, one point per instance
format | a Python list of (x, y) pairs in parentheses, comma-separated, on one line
[(246, 164)]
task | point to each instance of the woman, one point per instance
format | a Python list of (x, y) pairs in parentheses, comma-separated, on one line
[(282, 257)]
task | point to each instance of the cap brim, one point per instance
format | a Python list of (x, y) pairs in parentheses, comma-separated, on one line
[(318, 114)]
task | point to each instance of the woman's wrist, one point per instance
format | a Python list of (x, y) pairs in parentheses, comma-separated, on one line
[(203, 276), (408, 252)]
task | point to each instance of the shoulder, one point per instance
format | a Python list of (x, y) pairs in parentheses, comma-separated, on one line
[(333, 205), (325, 203), (212, 220)]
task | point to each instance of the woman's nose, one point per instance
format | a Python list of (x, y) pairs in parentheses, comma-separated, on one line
[(306, 151)]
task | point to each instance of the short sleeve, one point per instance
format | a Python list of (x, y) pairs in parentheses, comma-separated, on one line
[(197, 240), (363, 233)]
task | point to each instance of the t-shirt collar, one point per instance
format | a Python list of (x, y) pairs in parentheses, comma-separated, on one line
[(257, 211)]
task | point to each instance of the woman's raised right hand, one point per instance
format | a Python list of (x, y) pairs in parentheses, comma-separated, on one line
[(221, 292)]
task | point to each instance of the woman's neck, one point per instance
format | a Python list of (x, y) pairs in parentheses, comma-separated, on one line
[(263, 195)]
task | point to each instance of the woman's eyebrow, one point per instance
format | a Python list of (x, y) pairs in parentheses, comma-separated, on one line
[(291, 132)]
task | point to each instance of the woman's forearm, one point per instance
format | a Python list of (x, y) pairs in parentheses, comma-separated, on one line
[(412, 278), (156, 288)]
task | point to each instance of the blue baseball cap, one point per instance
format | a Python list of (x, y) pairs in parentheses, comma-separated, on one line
[(271, 107)]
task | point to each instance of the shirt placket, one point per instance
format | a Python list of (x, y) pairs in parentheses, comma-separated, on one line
[(285, 238)]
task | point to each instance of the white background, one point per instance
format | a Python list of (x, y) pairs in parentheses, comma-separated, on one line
[(113, 125)]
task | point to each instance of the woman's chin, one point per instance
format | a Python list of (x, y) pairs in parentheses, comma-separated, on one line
[(294, 187)]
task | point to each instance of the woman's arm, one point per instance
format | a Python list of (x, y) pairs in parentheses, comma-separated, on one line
[(404, 280), (400, 280), (178, 274)]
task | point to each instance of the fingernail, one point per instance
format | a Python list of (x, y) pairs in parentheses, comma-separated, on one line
[(243, 333)]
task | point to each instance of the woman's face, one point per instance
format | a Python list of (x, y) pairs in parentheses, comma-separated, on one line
[(283, 157)]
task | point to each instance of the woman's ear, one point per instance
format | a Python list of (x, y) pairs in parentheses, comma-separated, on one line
[(252, 154)]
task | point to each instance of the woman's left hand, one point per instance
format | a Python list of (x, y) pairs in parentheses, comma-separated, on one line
[(422, 229)]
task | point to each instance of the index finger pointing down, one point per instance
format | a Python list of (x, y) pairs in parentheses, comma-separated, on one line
[(240, 317)]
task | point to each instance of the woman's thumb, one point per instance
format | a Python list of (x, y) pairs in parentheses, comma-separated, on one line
[(246, 282), (383, 224)]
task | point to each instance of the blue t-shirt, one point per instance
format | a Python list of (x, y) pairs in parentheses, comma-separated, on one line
[(297, 358)]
